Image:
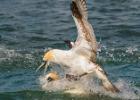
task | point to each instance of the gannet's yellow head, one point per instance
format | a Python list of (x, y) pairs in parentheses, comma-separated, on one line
[(48, 56), (52, 76)]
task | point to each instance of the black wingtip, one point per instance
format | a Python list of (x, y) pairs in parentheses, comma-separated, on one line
[(75, 10), (68, 42)]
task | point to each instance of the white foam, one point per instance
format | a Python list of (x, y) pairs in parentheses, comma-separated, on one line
[(131, 50), (86, 85), (8, 54)]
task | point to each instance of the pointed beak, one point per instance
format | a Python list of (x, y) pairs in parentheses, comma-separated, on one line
[(46, 67), (43, 64)]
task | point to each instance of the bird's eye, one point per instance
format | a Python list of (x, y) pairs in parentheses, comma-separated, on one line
[(49, 79)]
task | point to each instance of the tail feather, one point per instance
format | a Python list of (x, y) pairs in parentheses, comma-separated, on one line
[(105, 81)]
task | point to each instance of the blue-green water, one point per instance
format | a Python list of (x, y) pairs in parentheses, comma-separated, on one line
[(27, 27)]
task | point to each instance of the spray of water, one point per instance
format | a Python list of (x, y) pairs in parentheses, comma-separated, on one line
[(88, 85)]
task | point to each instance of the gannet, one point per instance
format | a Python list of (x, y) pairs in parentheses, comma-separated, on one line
[(81, 58)]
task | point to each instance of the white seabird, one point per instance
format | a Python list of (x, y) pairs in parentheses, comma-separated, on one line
[(81, 58)]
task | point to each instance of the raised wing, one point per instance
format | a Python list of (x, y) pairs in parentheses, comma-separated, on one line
[(86, 40), (79, 8)]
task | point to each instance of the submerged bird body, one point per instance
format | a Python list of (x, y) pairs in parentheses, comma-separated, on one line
[(81, 58)]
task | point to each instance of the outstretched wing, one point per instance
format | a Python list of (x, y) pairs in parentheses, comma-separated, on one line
[(86, 40), (107, 84)]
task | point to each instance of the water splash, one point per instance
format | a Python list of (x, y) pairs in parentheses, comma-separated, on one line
[(119, 55), (16, 59), (9, 54), (86, 86)]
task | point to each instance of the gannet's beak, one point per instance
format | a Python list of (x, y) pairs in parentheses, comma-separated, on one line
[(43, 64), (48, 57), (46, 66)]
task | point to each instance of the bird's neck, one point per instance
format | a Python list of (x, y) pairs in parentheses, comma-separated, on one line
[(62, 55)]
